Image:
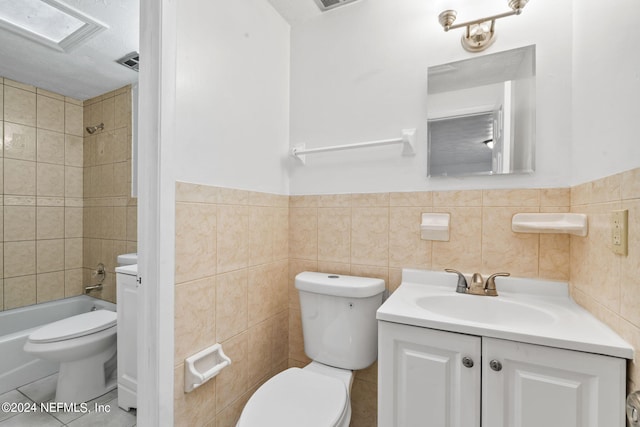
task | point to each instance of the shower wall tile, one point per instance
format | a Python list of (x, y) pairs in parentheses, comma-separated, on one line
[(19, 177), (50, 255), (19, 141), (50, 147), (73, 119), (19, 258), (96, 171), (19, 291), (73, 151), (19, 223), (45, 190), (49, 286), (50, 94), (50, 222), (19, 85), (50, 180), (19, 106), (49, 113)]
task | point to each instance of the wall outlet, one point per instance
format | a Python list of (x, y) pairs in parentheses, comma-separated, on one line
[(619, 231)]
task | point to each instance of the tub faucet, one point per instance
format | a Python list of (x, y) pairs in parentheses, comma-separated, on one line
[(88, 289), (462, 286)]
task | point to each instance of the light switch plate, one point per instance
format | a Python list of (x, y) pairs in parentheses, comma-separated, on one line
[(619, 231)]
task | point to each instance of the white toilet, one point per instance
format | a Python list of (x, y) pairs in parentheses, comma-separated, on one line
[(85, 347), (340, 335)]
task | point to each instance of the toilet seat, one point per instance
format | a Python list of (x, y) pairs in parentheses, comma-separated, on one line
[(295, 398), (75, 326)]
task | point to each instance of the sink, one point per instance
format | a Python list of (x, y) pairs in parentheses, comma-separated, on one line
[(532, 311), (482, 309)]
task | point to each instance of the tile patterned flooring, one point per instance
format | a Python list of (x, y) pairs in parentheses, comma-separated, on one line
[(43, 390)]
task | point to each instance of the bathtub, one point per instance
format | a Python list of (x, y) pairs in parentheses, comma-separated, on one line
[(17, 368)]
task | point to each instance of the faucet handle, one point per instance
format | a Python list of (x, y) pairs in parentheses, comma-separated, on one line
[(490, 285), (462, 281)]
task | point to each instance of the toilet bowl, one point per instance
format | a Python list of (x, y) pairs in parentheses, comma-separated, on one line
[(85, 347), (314, 396), (340, 335)]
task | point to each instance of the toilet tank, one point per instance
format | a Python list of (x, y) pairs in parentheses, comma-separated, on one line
[(127, 259), (339, 318)]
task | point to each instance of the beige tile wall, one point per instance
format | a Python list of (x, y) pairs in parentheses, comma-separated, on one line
[(377, 235), (110, 214), (231, 287), (41, 183), (606, 284)]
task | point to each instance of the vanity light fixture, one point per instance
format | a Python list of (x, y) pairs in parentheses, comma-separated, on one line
[(480, 33)]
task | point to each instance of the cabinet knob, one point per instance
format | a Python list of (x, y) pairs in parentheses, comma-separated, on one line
[(495, 365), (467, 362)]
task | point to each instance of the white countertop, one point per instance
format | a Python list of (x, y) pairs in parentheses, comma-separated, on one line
[(536, 312)]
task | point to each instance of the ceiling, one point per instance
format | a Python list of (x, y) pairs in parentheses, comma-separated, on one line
[(88, 70), (296, 11)]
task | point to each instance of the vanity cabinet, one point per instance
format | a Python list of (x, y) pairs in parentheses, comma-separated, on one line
[(433, 378)]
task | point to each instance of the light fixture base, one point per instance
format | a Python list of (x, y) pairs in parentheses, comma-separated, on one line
[(477, 38)]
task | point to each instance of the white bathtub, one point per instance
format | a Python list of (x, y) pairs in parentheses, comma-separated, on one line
[(17, 368)]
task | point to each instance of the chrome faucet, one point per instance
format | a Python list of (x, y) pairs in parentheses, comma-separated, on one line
[(100, 274), (97, 287), (477, 286), (462, 286)]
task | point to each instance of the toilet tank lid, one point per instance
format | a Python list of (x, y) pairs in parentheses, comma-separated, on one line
[(339, 285), (127, 259)]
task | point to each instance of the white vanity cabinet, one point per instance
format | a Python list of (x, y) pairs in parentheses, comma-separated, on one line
[(426, 379)]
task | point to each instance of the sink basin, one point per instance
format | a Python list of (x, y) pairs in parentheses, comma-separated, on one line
[(481, 309)]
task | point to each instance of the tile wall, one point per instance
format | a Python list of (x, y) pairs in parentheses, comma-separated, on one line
[(377, 235), (231, 287), (606, 284), (65, 193), (110, 213), (226, 241), (41, 186)]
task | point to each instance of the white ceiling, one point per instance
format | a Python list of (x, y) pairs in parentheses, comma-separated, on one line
[(296, 11), (90, 69)]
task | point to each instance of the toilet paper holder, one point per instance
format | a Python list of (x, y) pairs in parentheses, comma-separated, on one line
[(204, 365)]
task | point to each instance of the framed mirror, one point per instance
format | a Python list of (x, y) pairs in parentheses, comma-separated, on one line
[(481, 115)]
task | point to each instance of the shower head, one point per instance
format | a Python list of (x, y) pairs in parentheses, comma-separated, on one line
[(93, 129)]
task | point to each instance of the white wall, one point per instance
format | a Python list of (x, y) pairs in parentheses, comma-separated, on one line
[(232, 89), (606, 88), (358, 73)]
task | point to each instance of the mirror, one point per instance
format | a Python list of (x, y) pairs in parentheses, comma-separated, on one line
[(481, 118)]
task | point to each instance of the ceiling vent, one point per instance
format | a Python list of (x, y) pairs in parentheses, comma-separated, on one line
[(131, 61), (325, 5)]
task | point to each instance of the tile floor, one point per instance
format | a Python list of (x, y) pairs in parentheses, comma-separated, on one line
[(43, 390)]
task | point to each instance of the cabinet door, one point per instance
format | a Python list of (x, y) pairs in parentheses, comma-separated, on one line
[(542, 386), (422, 380)]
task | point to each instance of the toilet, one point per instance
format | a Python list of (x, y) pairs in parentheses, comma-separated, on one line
[(85, 347), (340, 336)]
